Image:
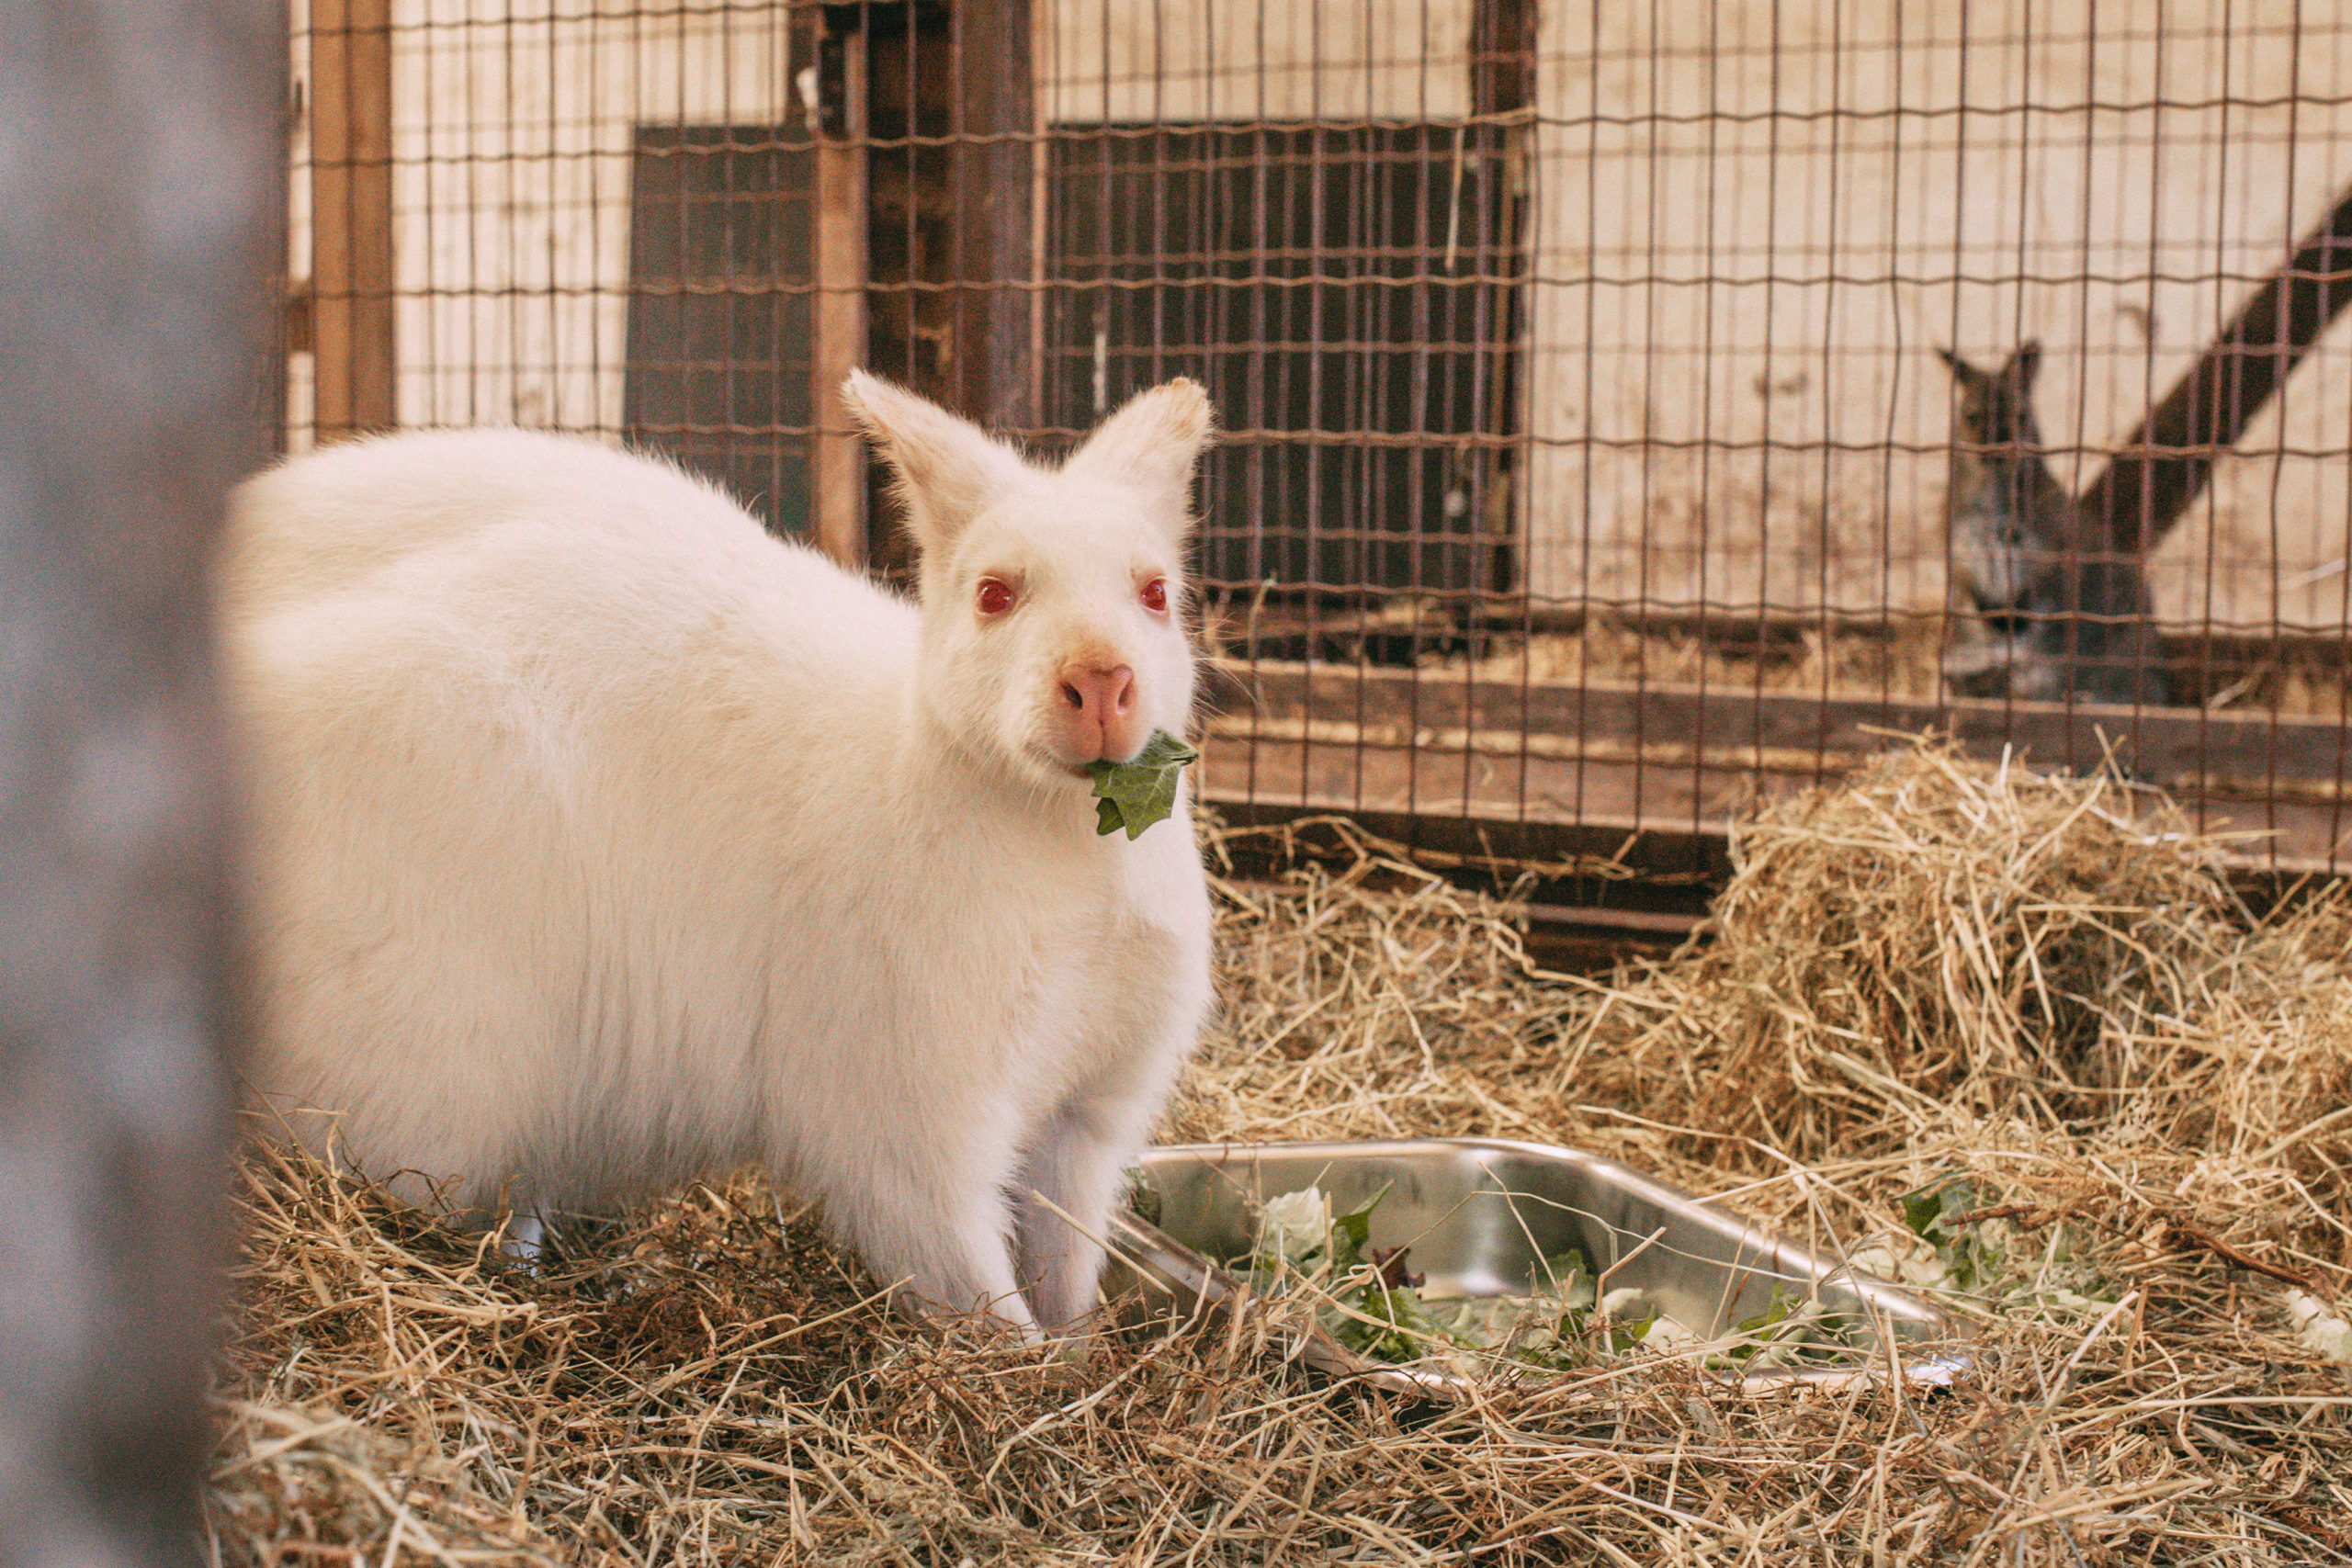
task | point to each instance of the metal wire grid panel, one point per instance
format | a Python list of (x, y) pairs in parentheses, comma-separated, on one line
[(1591, 462)]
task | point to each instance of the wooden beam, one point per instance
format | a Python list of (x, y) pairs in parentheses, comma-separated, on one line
[(837, 469), (351, 216), (1673, 865), (1503, 38), (1499, 843), (995, 129), (1400, 631), (2161, 468), (2164, 743)]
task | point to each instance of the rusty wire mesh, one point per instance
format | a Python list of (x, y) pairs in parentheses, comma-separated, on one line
[(1589, 465)]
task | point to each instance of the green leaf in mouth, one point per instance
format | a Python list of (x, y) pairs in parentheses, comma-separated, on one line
[(1136, 795)]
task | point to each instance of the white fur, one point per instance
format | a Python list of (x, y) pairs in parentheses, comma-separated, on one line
[(600, 840)]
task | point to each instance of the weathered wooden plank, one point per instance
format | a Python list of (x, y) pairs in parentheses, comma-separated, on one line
[(1664, 820), (2168, 745), (1658, 852), (351, 216), (995, 127)]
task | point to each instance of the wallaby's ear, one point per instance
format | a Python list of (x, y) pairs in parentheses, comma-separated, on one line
[(1153, 441), (1969, 377), (948, 470), (2024, 365)]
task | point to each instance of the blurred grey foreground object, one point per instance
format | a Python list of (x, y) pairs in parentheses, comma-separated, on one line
[(139, 223)]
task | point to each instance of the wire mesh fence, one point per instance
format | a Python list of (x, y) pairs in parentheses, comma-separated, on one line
[(1628, 408)]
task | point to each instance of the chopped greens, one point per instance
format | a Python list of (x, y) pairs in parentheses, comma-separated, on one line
[(1978, 1250), (1791, 1331), (1143, 1198), (1136, 795), (1970, 1259), (1370, 1301)]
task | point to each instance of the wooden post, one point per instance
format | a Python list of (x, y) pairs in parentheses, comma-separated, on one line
[(143, 226), (1040, 216), (351, 215), (837, 466), (2163, 466), (995, 131), (1502, 100)]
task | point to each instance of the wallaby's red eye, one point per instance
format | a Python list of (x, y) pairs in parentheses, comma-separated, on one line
[(995, 596), (1155, 596)]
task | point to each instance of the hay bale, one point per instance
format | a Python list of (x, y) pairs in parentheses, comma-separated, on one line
[(1938, 943), (2019, 997)]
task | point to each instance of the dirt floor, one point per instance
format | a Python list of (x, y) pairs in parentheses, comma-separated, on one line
[(2126, 1106)]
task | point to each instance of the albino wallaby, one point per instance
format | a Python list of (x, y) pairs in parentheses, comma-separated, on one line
[(600, 840), (2067, 613)]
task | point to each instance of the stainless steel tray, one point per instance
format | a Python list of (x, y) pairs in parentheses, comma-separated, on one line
[(1481, 1214)]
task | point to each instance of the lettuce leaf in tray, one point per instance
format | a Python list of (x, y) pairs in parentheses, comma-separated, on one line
[(1369, 1300)]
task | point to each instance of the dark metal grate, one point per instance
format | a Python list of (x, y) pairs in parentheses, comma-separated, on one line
[(720, 321), (1349, 295)]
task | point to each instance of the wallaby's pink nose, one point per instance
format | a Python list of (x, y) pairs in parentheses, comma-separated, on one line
[(1102, 706)]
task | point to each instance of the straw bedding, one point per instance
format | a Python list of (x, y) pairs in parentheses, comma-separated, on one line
[(2028, 1005)]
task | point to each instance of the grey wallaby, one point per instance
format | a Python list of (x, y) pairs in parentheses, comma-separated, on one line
[(2066, 614)]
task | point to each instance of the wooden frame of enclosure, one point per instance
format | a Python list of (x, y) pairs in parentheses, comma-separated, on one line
[(346, 303)]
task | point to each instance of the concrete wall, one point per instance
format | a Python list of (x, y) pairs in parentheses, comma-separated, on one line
[(1747, 244), (1124, 62)]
